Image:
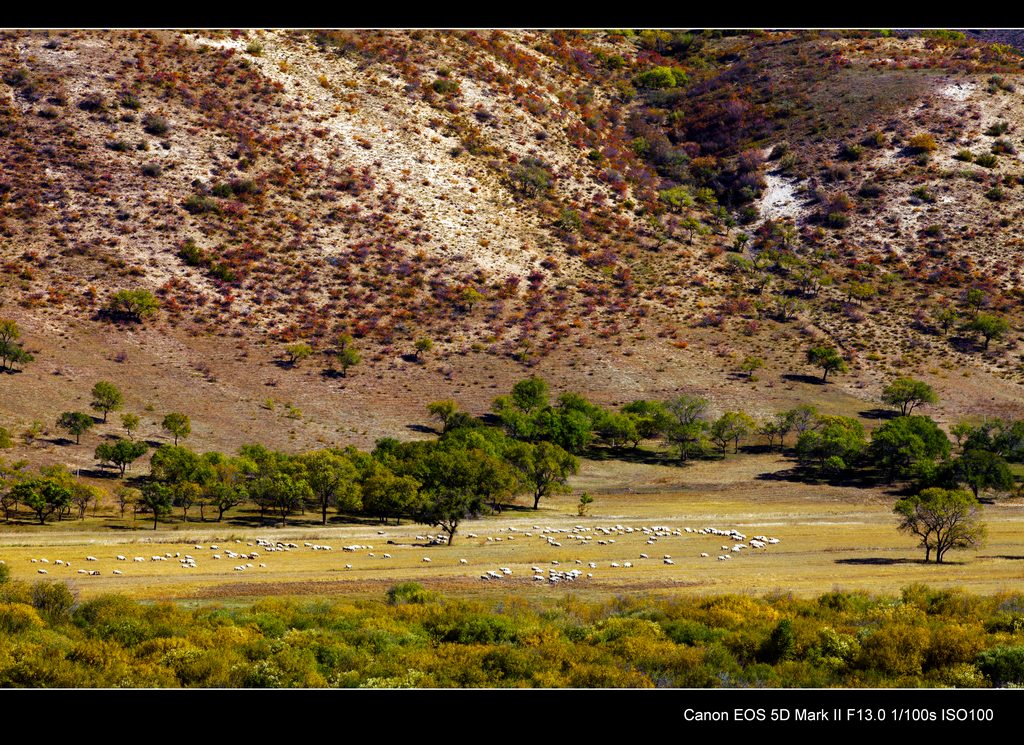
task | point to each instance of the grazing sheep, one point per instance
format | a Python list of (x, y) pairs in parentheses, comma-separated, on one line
[(118, 571), (91, 558), (43, 571), (426, 558), (668, 561), (463, 561), (703, 555)]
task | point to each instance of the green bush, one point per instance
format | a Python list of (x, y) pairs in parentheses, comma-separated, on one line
[(1002, 665), (18, 617), (53, 600), (986, 160), (5, 442), (660, 77), (409, 592)]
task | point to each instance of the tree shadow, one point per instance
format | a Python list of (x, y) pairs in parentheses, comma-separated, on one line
[(877, 413), (422, 428), (965, 344), (798, 378), (99, 473), (285, 364), (410, 357), (331, 374), (627, 455), (10, 371), (153, 443), (879, 561), (1002, 556)]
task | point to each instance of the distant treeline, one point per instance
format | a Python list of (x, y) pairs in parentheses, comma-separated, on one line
[(925, 637), (527, 447)]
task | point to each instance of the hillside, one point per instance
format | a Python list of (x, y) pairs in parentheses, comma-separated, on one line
[(626, 214)]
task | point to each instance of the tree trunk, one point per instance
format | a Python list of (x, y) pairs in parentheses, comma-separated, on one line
[(324, 513)]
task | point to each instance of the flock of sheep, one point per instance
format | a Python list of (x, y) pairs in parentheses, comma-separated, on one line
[(581, 536)]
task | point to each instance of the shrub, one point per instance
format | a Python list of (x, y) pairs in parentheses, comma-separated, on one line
[(155, 124), (133, 304), (1003, 145), (998, 128), (965, 156), (870, 190), (922, 193), (1002, 665), (199, 204), (874, 139), (129, 101), (445, 86), (531, 177), (660, 77), (152, 170), (409, 592), (5, 443), (18, 617), (922, 143), (92, 102), (996, 194), (254, 48), (851, 152), (986, 160)]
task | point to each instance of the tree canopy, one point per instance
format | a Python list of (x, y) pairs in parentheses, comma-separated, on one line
[(943, 519)]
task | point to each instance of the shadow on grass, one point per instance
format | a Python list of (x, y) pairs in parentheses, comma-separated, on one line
[(1002, 556), (422, 428), (631, 455), (878, 413), (798, 378), (879, 561)]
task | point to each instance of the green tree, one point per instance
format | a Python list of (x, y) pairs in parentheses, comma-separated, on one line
[(122, 453), (732, 426), (132, 305), (943, 519), (331, 478), (834, 446), (981, 469), (988, 326), (906, 394), (649, 419), (44, 496), (297, 352), (946, 316), (750, 365), (130, 422), (423, 345), (904, 442), (157, 499), (828, 359), (545, 468), (11, 352), (178, 425), (75, 423), (387, 495), (444, 411), (346, 353), (686, 426), (530, 395), (106, 398)]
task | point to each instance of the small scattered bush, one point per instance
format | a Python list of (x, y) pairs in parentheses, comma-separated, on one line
[(922, 143), (155, 124), (986, 160)]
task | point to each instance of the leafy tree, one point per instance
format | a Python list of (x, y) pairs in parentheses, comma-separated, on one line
[(106, 398), (981, 469), (133, 305), (226, 485), (280, 491), (44, 496), (943, 519), (11, 353), (157, 499), (545, 468), (331, 478), (686, 426), (178, 425), (583, 506), (298, 352), (444, 411), (346, 354), (127, 496), (834, 446), (732, 426), (122, 453), (901, 443), (82, 495), (988, 326), (750, 365), (616, 429), (422, 345), (130, 422), (530, 395), (946, 316), (75, 423), (828, 359), (387, 495), (6, 442), (906, 394), (649, 419)]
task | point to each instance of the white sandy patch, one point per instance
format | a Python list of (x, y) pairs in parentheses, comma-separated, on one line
[(958, 91), (779, 198)]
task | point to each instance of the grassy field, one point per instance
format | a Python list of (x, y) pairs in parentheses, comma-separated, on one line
[(829, 538)]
